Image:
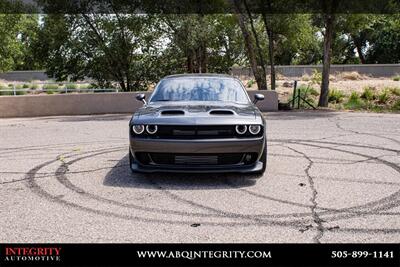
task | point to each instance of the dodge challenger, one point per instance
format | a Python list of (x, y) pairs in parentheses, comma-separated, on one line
[(198, 123)]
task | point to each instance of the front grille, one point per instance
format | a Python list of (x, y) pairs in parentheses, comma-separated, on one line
[(218, 131), (195, 159)]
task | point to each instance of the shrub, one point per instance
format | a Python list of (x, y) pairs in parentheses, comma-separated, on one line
[(354, 101), (279, 76), (305, 77), (10, 85), (50, 87), (85, 86), (368, 93), (396, 105), (395, 91), (312, 91), (19, 86), (6, 92), (383, 97), (316, 77), (21, 92), (307, 93), (49, 91), (249, 84), (353, 75), (335, 96), (396, 78), (26, 86), (4, 87), (72, 86), (34, 86)]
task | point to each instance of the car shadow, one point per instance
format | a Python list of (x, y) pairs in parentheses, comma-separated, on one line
[(121, 176)]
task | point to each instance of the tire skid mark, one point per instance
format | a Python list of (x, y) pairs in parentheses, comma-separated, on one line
[(335, 143), (259, 218), (62, 178), (350, 212), (337, 124), (55, 146), (383, 204), (63, 170), (31, 183), (30, 176)]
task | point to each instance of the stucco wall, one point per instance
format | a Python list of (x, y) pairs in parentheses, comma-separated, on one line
[(93, 103), (374, 70)]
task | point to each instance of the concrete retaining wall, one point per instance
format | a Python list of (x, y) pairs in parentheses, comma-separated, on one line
[(94, 103), (24, 76), (374, 70)]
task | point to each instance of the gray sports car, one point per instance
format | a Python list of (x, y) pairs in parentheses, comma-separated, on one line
[(198, 123)]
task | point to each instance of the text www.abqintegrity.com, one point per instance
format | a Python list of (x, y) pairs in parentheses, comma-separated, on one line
[(203, 254)]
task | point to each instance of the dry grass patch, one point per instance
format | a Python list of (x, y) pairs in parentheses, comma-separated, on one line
[(350, 75)]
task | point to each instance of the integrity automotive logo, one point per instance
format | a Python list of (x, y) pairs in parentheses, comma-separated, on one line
[(31, 254)]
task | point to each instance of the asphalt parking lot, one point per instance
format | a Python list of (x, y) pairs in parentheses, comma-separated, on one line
[(331, 177)]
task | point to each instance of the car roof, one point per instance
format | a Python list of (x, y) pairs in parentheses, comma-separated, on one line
[(194, 75)]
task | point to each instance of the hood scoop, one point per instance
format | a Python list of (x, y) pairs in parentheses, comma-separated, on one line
[(221, 112), (173, 112)]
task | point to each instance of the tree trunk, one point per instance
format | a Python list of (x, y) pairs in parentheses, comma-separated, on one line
[(257, 71), (123, 86), (358, 46), (261, 61), (271, 58), (203, 58), (270, 33), (189, 62), (128, 83), (271, 48), (329, 23)]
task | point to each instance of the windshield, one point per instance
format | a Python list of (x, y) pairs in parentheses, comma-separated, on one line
[(200, 89)]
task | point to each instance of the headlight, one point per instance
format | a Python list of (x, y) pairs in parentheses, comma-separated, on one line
[(254, 129), (241, 129), (138, 129), (151, 129)]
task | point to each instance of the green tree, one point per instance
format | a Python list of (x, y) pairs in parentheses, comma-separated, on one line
[(17, 34), (120, 48), (384, 40), (202, 43)]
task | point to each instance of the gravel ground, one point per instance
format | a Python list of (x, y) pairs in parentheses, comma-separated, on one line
[(331, 177)]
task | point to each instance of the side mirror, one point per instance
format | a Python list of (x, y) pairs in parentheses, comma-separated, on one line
[(258, 97), (141, 97)]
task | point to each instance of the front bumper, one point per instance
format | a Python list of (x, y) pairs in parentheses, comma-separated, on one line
[(198, 146), (257, 167)]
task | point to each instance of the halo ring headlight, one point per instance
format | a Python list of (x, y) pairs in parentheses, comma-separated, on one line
[(241, 129), (151, 129), (138, 128), (254, 129)]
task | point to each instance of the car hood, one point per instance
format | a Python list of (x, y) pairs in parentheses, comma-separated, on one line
[(197, 113)]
